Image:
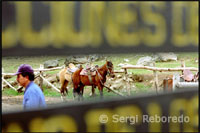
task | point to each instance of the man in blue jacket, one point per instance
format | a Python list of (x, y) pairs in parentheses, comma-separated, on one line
[(33, 95)]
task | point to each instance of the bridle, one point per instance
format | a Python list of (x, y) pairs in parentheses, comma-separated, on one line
[(108, 67)]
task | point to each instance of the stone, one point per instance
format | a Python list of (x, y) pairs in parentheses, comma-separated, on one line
[(51, 63), (145, 61), (163, 57)]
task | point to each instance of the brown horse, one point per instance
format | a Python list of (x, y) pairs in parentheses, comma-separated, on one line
[(79, 81), (65, 76)]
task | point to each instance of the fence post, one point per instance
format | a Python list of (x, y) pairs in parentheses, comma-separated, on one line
[(125, 71), (128, 89), (182, 65), (41, 80), (2, 79), (155, 79)]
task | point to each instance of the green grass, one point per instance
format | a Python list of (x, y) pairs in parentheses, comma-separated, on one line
[(10, 64), (142, 87), (52, 72), (10, 92), (51, 93)]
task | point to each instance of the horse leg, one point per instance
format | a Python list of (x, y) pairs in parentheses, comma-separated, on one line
[(75, 93), (93, 91), (100, 87), (101, 94), (81, 92), (63, 90)]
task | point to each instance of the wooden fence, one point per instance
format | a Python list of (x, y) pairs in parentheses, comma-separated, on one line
[(38, 72), (124, 68), (155, 69)]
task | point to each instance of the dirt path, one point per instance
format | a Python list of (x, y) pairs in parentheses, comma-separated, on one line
[(14, 103)]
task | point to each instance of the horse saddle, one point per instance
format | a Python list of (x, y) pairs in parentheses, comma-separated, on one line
[(88, 71), (71, 70)]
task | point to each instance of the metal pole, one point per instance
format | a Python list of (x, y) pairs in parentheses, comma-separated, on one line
[(187, 84)]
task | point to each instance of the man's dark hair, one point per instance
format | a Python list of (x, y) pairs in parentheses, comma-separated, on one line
[(31, 76)]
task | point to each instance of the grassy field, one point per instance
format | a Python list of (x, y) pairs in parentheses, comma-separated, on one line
[(10, 65)]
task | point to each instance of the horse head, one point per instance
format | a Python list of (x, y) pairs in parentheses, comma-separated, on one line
[(110, 68)]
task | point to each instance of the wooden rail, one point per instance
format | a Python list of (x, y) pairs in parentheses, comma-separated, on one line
[(158, 69), (50, 83)]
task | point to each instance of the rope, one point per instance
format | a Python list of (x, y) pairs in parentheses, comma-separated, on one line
[(100, 77)]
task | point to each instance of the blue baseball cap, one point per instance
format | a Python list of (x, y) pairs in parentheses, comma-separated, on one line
[(24, 68)]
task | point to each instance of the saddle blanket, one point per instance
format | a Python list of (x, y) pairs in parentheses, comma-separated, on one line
[(71, 70), (85, 72)]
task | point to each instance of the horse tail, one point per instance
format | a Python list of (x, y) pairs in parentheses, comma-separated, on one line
[(61, 75), (62, 80)]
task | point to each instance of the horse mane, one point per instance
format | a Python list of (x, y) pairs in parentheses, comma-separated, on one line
[(106, 64), (102, 66)]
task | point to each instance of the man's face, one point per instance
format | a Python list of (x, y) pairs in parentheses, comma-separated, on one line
[(22, 80)]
